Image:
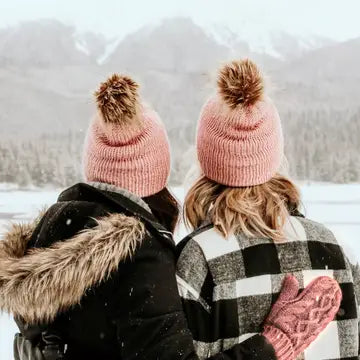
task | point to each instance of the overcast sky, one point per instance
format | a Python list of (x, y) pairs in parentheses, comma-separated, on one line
[(337, 19)]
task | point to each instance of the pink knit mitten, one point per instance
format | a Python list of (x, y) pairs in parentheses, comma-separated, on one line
[(296, 320)]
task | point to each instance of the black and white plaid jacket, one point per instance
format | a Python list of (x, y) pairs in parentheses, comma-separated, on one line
[(229, 285)]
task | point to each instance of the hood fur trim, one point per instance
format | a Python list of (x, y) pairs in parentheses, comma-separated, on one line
[(44, 281)]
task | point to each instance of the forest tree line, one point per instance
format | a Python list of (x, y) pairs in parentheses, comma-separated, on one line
[(321, 145)]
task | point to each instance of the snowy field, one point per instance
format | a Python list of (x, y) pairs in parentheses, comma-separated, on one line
[(337, 206)]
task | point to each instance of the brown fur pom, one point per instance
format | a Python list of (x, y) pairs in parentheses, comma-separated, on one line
[(117, 99), (240, 83)]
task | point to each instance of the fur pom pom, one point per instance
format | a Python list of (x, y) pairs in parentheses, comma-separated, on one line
[(117, 99), (240, 83)]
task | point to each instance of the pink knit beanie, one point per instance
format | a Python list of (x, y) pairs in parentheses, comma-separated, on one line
[(126, 145), (239, 138)]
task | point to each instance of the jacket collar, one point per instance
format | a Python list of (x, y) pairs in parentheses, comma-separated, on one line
[(114, 189), (82, 191)]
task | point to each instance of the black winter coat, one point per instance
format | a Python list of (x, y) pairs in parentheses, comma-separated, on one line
[(94, 278)]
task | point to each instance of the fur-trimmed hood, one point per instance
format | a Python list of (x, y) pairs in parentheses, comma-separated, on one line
[(39, 283)]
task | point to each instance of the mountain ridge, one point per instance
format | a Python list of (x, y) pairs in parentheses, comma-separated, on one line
[(176, 74)]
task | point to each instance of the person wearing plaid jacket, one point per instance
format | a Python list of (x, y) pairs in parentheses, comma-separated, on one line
[(228, 285), (248, 233)]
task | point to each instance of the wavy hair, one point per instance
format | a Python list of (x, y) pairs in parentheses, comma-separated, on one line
[(259, 210)]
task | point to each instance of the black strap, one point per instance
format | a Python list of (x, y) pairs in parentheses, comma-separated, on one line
[(53, 346)]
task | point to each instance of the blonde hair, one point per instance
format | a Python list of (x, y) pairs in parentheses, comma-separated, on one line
[(259, 210)]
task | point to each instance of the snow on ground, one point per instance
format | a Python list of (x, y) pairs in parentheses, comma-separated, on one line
[(337, 206)]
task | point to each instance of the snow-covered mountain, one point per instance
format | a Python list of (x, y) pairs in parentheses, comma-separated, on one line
[(53, 69), (276, 43), (48, 43), (51, 43), (173, 46)]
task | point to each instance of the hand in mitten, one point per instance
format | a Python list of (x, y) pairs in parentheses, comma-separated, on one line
[(296, 320)]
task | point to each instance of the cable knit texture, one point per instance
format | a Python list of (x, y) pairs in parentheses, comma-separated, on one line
[(239, 143), (133, 154), (296, 320)]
